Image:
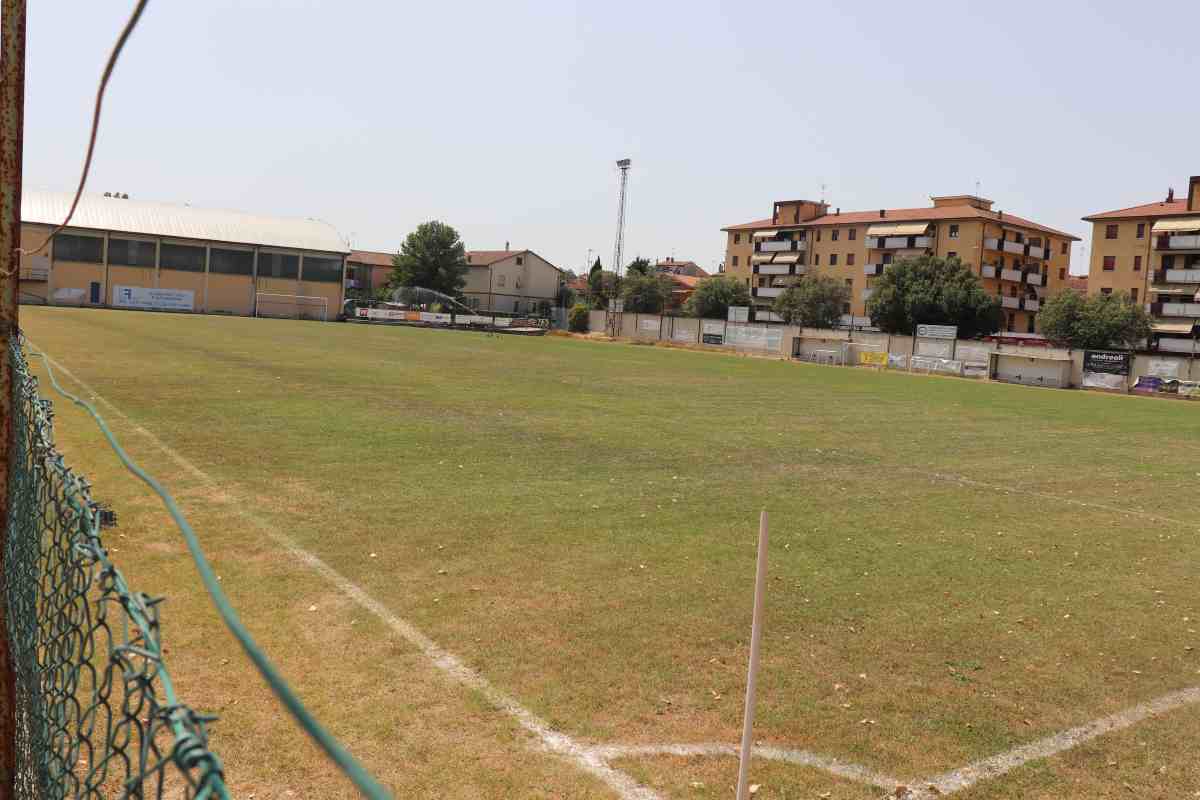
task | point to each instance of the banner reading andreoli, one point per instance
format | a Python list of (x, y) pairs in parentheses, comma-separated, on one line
[(1104, 369)]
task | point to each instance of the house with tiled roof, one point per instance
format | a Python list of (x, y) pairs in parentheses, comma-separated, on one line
[(1151, 253), (511, 281), (1020, 261)]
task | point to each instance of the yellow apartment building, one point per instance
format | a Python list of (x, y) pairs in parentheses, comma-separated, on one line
[(123, 253), (1019, 261), (1151, 252)]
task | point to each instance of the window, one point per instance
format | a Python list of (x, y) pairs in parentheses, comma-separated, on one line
[(735, 261), (1137, 263), (818, 234), (762, 282), (953, 231), (834, 234), (1106, 290), (816, 259), (887, 258), (278, 265), (737, 238), (184, 257), (849, 283), (501, 280), (520, 260), (322, 270), (1168, 262), (952, 254), (1110, 231), (1110, 263), (131, 252), (1133, 293), (1062, 273), (1141, 230), (88, 249), (1065, 245), (849, 259), (833, 259), (853, 234), (1035, 241), (845, 308), (230, 262)]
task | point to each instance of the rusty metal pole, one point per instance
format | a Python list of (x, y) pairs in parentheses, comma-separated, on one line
[(12, 126)]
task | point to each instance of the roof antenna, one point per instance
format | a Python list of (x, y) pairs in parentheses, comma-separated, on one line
[(823, 188), (977, 194)]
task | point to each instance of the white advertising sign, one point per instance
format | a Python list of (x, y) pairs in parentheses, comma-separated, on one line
[(381, 314), (429, 316), (937, 331), (938, 349), (648, 324), (713, 327), (1163, 368), (739, 313), (160, 299)]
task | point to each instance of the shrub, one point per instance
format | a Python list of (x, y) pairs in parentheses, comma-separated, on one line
[(577, 318)]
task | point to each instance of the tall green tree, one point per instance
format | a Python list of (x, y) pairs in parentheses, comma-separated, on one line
[(1102, 320), (432, 257), (933, 290), (713, 296), (639, 266), (596, 278), (646, 293), (816, 301)]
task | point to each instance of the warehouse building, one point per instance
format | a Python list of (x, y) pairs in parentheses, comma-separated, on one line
[(124, 253)]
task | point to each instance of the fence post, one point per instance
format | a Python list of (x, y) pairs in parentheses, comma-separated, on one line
[(12, 124)]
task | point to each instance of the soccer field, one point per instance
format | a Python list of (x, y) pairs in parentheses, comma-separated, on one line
[(522, 567)]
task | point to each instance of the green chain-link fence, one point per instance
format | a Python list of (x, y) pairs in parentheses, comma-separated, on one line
[(97, 715)]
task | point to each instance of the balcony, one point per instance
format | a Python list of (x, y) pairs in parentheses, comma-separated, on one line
[(899, 242), (1035, 279), (772, 246), (1175, 309), (871, 270), (1032, 304), (1178, 276), (767, 291), (1013, 275), (778, 269), (1041, 253), (1010, 302), (1005, 246), (1191, 242), (988, 271)]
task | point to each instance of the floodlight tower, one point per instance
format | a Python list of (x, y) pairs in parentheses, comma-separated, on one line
[(619, 245)]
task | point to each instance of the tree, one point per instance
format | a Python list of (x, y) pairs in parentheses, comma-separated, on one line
[(595, 277), (713, 296), (936, 291), (815, 302), (577, 318), (1096, 322), (646, 293), (433, 257), (639, 266)]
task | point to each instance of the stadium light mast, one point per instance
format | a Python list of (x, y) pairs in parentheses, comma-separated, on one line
[(619, 244)]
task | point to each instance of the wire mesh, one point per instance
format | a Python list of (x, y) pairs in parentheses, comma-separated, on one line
[(96, 713)]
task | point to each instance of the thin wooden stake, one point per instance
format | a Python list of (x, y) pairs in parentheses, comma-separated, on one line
[(760, 579)]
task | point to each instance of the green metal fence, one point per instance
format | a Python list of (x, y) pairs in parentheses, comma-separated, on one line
[(97, 714)]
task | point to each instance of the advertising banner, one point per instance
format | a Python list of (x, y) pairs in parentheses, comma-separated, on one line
[(936, 348), (1148, 384), (429, 316), (1163, 368), (897, 361), (873, 359), (381, 314), (1106, 361), (648, 324), (712, 338), (713, 327), (158, 299), (937, 331)]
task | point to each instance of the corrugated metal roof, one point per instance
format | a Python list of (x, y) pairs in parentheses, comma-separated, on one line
[(164, 219)]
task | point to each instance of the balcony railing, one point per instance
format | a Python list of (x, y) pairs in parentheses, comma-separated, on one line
[(1035, 279), (1190, 242), (874, 269), (1041, 253), (1010, 302), (1013, 275), (899, 242), (1009, 246), (1175, 309), (1032, 304), (772, 246), (776, 269), (1178, 276), (988, 271), (768, 291)]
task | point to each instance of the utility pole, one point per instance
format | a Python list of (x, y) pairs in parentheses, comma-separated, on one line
[(12, 125)]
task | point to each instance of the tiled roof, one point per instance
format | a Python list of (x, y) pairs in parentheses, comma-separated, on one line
[(371, 258), (1159, 209), (681, 267), (910, 215), (1078, 282)]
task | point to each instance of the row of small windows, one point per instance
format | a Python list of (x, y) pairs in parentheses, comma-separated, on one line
[(190, 258)]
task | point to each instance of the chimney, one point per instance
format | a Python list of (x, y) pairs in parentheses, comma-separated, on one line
[(883, 212), (506, 247), (1000, 214), (1171, 195), (1194, 193), (838, 212)]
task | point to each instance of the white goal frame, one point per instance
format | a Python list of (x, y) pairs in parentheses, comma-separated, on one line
[(296, 301)]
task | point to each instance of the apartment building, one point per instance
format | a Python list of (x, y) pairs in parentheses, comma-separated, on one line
[(511, 281), (1019, 261), (1151, 253)]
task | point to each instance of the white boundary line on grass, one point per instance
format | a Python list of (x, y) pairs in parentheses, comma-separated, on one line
[(595, 760), (554, 741)]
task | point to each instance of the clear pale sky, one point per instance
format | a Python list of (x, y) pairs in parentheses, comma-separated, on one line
[(504, 119)]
